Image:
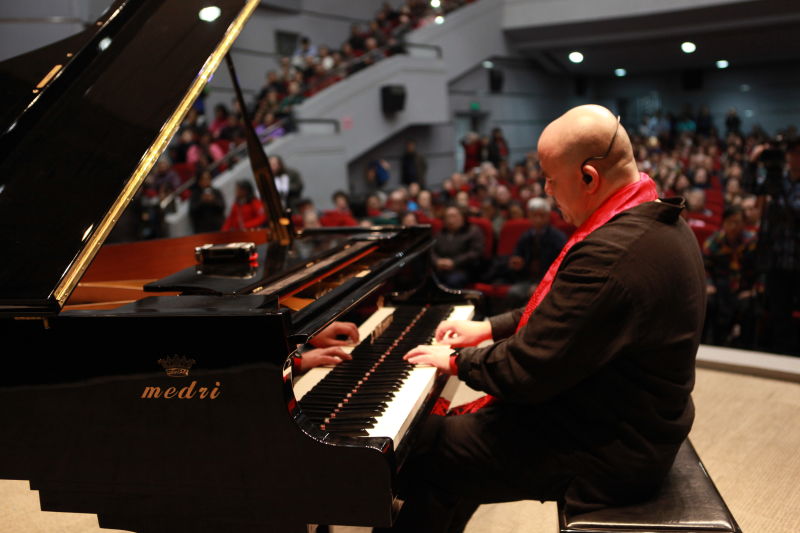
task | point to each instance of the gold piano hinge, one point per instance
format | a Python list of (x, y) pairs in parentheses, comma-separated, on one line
[(363, 273), (45, 320), (149, 158), (49, 76)]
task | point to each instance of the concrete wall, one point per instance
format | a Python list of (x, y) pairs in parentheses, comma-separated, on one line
[(532, 13), (529, 100)]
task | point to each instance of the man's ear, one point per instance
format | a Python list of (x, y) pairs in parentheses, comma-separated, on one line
[(591, 178)]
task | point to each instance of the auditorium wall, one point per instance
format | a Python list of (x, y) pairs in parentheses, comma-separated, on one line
[(529, 99), (765, 94)]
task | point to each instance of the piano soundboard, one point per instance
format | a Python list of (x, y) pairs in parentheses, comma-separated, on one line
[(385, 405)]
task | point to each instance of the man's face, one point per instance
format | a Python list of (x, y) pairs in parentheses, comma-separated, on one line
[(752, 213), (539, 219), (562, 183), (733, 226)]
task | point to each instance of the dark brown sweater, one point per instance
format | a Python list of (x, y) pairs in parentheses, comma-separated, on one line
[(605, 366)]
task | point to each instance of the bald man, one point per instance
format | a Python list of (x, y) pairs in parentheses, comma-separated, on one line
[(590, 383)]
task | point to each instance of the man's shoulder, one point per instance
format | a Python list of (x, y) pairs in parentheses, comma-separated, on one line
[(652, 233)]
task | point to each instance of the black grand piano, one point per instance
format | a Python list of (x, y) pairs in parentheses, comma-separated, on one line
[(179, 411)]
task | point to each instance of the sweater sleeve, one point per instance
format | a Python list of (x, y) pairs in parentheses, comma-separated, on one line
[(585, 321)]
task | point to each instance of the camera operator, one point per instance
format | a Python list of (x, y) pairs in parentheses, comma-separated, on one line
[(775, 178)]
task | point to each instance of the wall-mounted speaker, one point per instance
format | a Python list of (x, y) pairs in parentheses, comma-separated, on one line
[(393, 98), (495, 80)]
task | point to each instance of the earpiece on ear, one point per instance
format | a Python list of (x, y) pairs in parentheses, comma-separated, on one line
[(587, 179)]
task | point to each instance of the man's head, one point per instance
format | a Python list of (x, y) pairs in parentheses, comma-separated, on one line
[(751, 210), (539, 213), (454, 218), (585, 156), (733, 223)]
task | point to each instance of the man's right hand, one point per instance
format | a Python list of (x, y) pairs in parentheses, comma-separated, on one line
[(323, 356), (459, 333)]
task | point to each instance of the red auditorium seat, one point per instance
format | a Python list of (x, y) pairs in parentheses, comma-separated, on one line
[(488, 235), (337, 219), (510, 233)]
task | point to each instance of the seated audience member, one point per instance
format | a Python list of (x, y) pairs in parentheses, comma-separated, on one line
[(536, 249), (730, 259), (204, 150), (165, 179), (206, 205), (696, 203), (287, 181), (457, 249), (220, 119), (247, 211), (409, 218)]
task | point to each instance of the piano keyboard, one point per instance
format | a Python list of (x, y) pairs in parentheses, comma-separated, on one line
[(377, 394)]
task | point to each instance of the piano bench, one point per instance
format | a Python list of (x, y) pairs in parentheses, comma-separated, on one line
[(688, 502)]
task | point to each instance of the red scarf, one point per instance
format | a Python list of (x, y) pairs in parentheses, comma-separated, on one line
[(625, 198)]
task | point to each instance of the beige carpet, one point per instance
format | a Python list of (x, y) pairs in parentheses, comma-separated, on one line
[(747, 432)]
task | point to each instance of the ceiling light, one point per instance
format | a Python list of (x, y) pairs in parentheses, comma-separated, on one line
[(435, 4), (575, 57), (745, 88), (723, 63), (620, 72), (210, 13), (488, 64), (688, 47), (439, 19)]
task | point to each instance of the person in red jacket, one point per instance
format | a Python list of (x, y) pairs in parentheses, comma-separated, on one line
[(247, 211)]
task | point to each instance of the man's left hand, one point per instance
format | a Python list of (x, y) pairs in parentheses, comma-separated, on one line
[(328, 336), (438, 356)]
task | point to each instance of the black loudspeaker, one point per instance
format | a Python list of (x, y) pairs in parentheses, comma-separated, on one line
[(692, 80), (581, 86), (393, 98), (495, 80)]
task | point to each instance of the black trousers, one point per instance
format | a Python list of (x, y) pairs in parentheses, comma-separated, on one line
[(463, 461)]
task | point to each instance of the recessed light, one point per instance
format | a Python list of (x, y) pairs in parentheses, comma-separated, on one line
[(435, 3), (575, 57), (488, 64), (688, 47), (620, 72), (745, 88), (723, 63), (439, 19), (209, 13)]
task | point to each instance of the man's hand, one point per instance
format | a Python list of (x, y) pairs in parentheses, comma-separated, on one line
[(438, 356), (323, 356), (516, 262), (459, 333), (327, 337)]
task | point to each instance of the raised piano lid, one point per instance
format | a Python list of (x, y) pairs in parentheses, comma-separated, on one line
[(76, 145)]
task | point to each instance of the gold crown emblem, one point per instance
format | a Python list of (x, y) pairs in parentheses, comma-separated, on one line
[(176, 366)]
